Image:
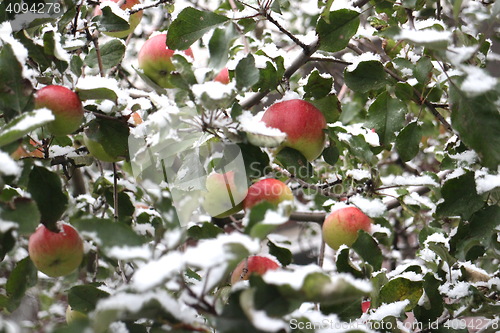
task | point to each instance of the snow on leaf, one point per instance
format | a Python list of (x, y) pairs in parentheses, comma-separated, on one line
[(485, 181), (477, 81), (389, 310), (156, 272), (372, 208), (258, 133), (8, 166)]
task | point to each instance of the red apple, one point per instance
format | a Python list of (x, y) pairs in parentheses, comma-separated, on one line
[(224, 195), (365, 306), (223, 76), (56, 253), (65, 106), (155, 59), (270, 189), (342, 226), (252, 265), (133, 20), (302, 122)]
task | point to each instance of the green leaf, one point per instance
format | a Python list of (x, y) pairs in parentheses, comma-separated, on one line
[(108, 233), (478, 122), (84, 298), (359, 148), (256, 161), (408, 141), (423, 69), (110, 22), (283, 254), (331, 155), (246, 73), (400, 289), (7, 243), (368, 249), (330, 107), (460, 197), (22, 211), (293, 161), (256, 227), (190, 25), (345, 265), (204, 231), (335, 33), (111, 134), (22, 125), (387, 116), (111, 53), (220, 44), (46, 189), (15, 92), (23, 277), (368, 75), (96, 93), (317, 86), (432, 310)]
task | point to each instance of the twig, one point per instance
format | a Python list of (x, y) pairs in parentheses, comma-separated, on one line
[(95, 41), (149, 6), (338, 61), (115, 191), (268, 16)]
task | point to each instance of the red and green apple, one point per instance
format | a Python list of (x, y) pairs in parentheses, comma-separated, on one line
[(342, 225), (224, 195), (65, 106), (56, 253), (252, 265), (270, 190), (155, 59), (303, 124)]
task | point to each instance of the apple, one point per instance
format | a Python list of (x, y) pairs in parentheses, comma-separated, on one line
[(73, 315), (270, 189), (223, 76), (365, 306), (155, 59), (133, 20), (303, 124), (342, 226), (223, 196), (252, 265), (65, 106), (34, 151), (56, 253)]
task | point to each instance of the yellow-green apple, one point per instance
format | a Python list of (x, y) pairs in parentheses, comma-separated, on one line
[(97, 150), (155, 59), (303, 124), (133, 20), (252, 265), (224, 194), (270, 190), (74, 315), (65, 106), (342, 226), (223, 76), (56, 253)]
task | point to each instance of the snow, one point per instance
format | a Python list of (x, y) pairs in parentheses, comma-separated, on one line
[(8, 166), (156, 272), (7, 225), (19, 50), (358, 174), (389, 310), (356, 59), (437, 237), (477, 81), (372, 208), (356, 129), (486, 181), (294, 279), (425, 36), (465, 158), (258, 132), (459, 290), (213, 89), (409, 180), (40, 117), (128, 253)]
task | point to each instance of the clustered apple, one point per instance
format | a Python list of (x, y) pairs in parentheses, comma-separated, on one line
[(133, 20), (303, 124), (252, 265), (56, 253), (155, 59), (65, 106), (224, 196), (270, 190), (342, 226)]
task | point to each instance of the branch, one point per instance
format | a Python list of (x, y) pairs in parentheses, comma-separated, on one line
[(297, 63)]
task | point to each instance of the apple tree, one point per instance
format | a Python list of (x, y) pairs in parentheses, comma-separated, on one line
[(389, 109)]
